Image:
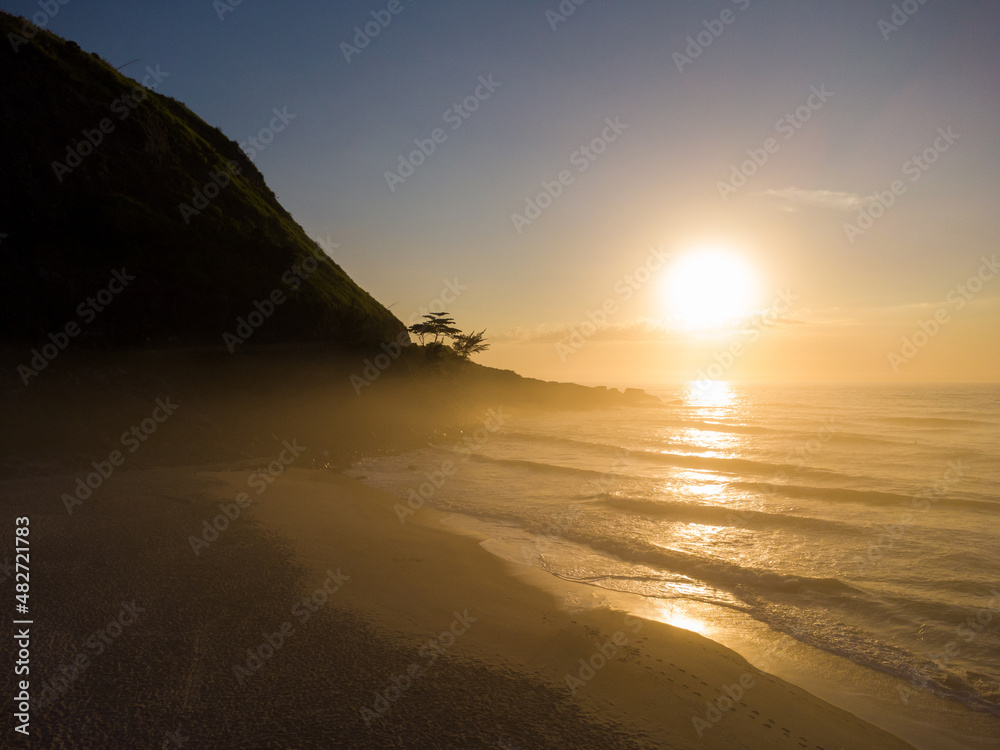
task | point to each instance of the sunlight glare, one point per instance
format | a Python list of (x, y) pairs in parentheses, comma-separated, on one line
[(710, 288), (709, 393)]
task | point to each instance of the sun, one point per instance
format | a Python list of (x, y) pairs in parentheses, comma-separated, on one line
[(710, 287)]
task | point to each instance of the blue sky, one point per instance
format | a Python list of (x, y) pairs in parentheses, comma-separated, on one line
[(656, 184)]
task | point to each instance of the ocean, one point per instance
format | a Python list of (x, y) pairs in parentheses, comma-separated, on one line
[(843, 537)]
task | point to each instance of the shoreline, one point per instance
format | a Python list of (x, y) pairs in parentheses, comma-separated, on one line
[(664, 684), (641, 683), (928, 721)]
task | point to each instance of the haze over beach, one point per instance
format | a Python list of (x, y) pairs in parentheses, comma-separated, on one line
[(500, 375)]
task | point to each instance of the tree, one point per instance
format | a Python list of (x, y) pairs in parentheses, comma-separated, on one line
[(436, 324), (421, 330), (467, 344)]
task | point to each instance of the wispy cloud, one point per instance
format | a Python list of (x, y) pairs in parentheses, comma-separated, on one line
[(834, 200), (638, 329)]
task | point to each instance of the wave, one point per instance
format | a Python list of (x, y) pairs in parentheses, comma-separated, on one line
[(742, 429), (855, 437), (719, 573), (865, 497), (867, 650), (934, 421), (736, 466), (721, 515), (613, 450), (540, 466), (784, 602)]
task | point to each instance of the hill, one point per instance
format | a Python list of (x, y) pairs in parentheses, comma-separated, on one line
[(127, 220)]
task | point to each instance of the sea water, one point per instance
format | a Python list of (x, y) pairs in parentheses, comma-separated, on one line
[(844, 537)]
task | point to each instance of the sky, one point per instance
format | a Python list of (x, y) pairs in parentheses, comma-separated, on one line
[(556, 164)]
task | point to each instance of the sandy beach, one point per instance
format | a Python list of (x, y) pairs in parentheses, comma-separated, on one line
[(659, 683), (315, 610), (269, 600)]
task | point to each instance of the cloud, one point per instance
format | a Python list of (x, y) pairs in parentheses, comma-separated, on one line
[(830, 199), (638, 329)]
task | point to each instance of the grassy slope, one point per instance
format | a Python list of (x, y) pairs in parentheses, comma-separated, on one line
[(120, 208)]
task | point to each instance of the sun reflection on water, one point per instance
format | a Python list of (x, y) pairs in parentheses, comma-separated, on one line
[(673, 615), (710, 393)]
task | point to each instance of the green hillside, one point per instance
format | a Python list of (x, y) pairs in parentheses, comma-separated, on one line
[(96, 168)]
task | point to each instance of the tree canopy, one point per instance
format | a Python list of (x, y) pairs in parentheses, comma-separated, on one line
[(440, 327)]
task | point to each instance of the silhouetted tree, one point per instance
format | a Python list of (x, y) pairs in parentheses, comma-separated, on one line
[(467, 344), (436, 324)]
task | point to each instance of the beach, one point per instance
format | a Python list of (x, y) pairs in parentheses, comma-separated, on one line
[(267, 599), (659, 683), (342, 604)]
